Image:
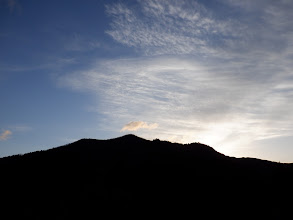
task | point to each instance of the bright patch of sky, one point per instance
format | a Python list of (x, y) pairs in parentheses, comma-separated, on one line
[(217, 72)]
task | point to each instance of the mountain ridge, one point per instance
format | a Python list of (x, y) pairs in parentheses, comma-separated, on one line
[(136, 178), (135, 139)]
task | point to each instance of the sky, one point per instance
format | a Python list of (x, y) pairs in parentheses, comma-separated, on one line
[(218, 72)]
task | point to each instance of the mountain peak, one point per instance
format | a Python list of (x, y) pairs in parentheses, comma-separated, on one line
[(128, 138)]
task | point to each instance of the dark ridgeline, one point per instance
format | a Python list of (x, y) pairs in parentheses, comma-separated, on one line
[(136, 178)]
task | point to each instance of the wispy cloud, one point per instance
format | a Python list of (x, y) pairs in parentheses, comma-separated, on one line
[(228, 80), (20, 128), (168, 27), (5, 135), (136, 125), (188, 27), (191, 101)]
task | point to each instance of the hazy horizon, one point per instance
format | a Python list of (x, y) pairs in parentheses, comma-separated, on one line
[(217, 72)]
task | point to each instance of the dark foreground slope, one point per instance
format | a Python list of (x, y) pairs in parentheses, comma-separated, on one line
[(135, 178)]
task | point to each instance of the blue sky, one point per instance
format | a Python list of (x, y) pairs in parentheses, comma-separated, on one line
[(217, 72)]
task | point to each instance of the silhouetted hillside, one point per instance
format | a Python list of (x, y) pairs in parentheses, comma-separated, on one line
[(129, 177)]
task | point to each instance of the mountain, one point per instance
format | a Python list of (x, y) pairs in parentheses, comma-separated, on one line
[(130, 177)]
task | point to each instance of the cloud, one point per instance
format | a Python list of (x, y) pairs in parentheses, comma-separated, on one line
[(4, 135), (21, 128), (188, 27), (136, 125), (190, 100), (164, 27), (222, 80)]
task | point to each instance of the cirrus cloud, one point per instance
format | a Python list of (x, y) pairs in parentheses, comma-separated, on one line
[(168, 27), (222, 80)]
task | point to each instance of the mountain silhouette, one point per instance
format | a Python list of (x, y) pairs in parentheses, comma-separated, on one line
[(130, 177)]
